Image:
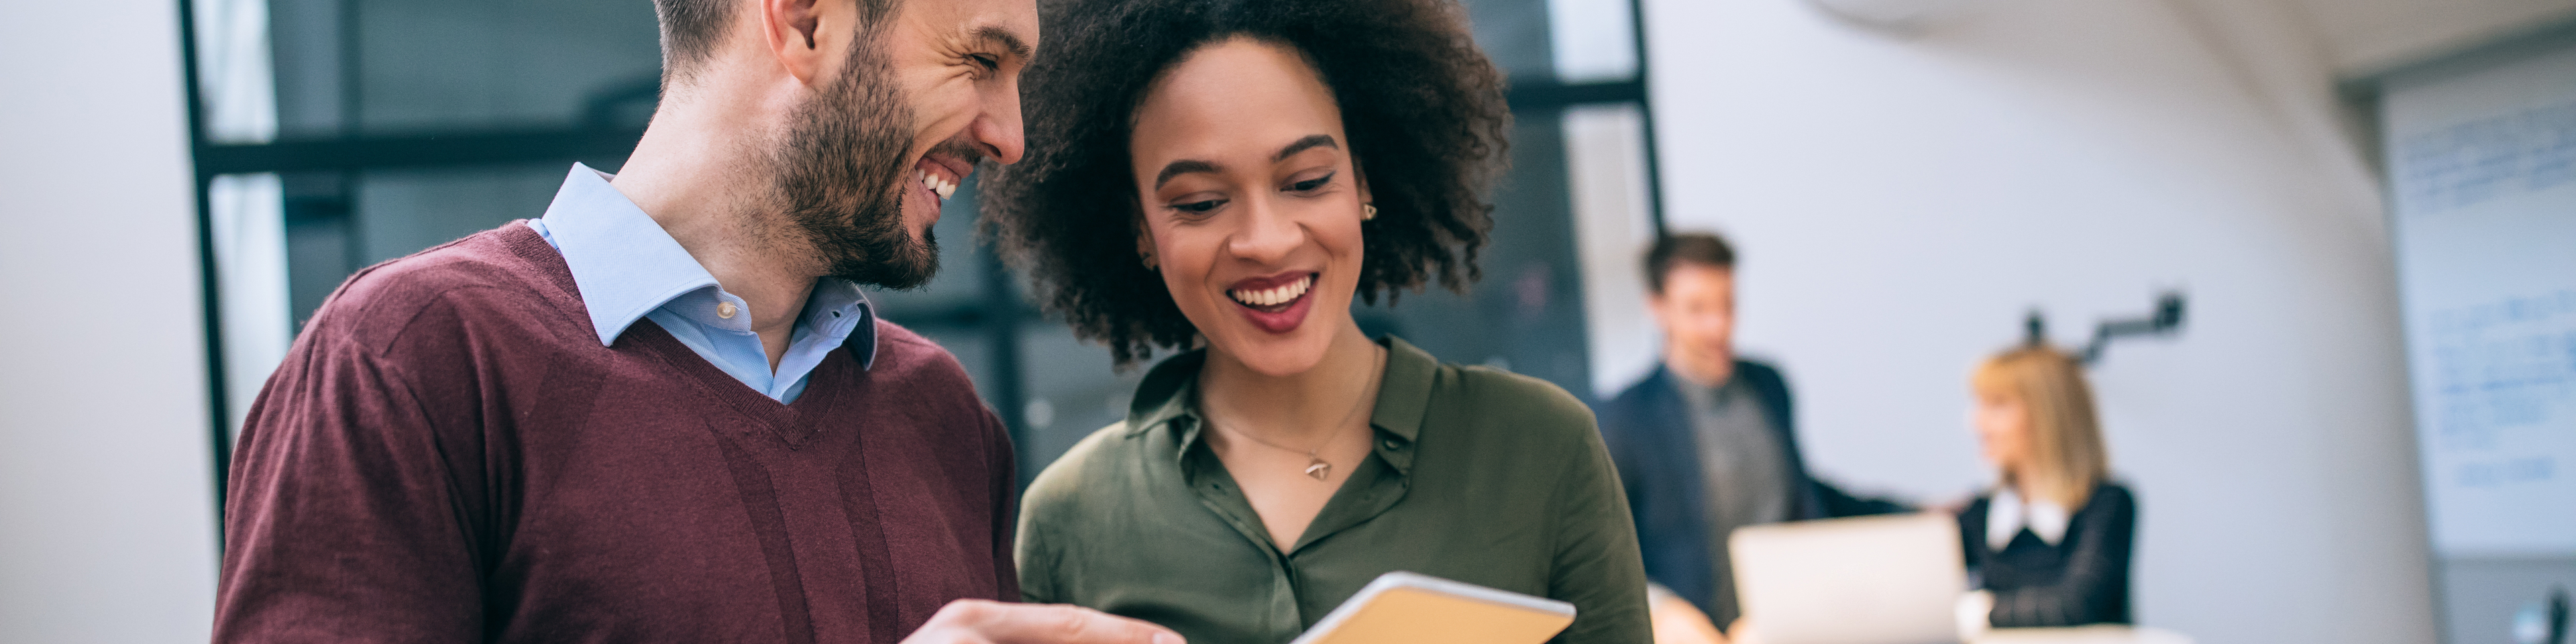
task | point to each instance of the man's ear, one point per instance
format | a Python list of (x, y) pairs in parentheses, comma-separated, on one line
[(789, 28)]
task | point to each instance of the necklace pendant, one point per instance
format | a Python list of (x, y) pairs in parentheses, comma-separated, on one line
[(1319, 469)]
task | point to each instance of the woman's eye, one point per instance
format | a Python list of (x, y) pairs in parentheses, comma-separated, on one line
[(1311, 185), (1198, 207)]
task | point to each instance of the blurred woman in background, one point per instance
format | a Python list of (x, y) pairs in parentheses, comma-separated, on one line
[(2051, 541), (1222, 178)]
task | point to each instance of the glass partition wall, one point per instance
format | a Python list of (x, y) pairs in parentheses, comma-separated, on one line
[(334, 134)]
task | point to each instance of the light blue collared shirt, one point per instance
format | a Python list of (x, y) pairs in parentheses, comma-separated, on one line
[(628, 268)]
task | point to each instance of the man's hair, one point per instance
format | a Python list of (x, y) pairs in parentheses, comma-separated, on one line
[(1704, 249), (691, 29), (1421, 105)]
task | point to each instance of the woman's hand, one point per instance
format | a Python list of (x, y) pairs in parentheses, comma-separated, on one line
[(1676, 621)]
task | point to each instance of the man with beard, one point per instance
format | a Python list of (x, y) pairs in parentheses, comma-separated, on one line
[(664, 411)]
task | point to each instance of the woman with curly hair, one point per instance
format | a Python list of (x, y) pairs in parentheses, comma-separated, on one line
[(1222, 178)]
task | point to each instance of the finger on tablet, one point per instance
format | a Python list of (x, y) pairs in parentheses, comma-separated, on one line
[(974, 621)]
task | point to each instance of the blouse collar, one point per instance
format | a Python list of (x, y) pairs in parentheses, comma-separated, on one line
[(2008, 514)]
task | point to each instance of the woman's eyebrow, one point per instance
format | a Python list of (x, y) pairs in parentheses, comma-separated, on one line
[(1181, 167), (1311, 141), (1187, 166)]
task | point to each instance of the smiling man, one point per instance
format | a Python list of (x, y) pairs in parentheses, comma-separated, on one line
[(664, 411)]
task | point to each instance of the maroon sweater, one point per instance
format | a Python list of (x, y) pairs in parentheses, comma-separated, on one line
[(449, 455)]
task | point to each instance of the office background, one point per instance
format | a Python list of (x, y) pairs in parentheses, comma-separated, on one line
[(1902, 198)]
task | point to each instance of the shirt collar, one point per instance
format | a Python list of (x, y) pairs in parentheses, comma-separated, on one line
[(2007, 514), (837, 309), (626, 266), (1165, 398), (622, 260)]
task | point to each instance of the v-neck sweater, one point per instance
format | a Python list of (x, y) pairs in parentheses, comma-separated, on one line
[(448, 454)]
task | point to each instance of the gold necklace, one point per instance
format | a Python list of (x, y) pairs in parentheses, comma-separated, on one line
[(1316, 466)]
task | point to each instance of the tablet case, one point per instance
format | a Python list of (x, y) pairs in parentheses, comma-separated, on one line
[(1409, 608)]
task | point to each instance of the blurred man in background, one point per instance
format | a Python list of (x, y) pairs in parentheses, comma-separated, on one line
[(1707, 443), (664, 412)]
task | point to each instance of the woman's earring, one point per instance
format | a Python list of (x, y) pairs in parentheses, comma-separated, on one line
[(1368, 211), (1148, 260)]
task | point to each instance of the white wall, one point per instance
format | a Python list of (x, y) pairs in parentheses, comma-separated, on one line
[(107, 529), (1900, 202)]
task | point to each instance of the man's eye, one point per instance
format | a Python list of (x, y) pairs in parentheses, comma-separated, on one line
[(1198, 207), (987, 61)]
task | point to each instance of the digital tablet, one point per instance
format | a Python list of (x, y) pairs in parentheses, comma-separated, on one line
[(1408, 608)]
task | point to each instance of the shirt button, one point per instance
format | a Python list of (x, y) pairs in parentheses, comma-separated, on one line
[(725, 310), (1391, 444)]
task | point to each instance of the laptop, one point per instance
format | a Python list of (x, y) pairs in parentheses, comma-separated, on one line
[(1892, 579)]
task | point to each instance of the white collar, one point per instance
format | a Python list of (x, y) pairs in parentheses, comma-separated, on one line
[(2007, 514)]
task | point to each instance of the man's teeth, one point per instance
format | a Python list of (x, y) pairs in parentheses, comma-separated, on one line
[(1275, 295), (938, 185)]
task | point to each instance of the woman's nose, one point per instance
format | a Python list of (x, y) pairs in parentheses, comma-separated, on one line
[(1267, 235)]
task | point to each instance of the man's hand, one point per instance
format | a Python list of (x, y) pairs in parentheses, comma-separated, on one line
[(977, 621), (1676, 621)]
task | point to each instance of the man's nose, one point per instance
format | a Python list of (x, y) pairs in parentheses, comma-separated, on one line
[(998, 129)]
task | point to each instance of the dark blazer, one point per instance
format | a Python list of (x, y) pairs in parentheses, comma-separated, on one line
[(1648, 431), (2084, 579)]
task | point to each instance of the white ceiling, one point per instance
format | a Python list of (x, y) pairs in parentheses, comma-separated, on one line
[(2363, 36)]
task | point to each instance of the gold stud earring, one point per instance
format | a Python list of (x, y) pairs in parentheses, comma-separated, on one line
[(1368, 211)]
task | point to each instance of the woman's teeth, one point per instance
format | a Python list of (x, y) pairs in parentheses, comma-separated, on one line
[(1273, 296), (938, 185)]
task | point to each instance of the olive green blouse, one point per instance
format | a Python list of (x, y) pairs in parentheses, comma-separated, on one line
[(1478, 475)]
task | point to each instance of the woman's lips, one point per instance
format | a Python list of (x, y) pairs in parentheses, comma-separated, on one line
[(1269, 292), (1274, 305)]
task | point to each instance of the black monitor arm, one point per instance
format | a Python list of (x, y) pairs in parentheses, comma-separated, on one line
[(2166, 319)]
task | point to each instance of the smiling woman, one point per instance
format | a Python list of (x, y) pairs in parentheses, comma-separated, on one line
[(1423, 109), (1227, 178)]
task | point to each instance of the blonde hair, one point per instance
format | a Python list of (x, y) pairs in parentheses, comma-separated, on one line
[(2067, 459)]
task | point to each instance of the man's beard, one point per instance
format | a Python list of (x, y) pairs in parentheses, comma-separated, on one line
[(840, 175)]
